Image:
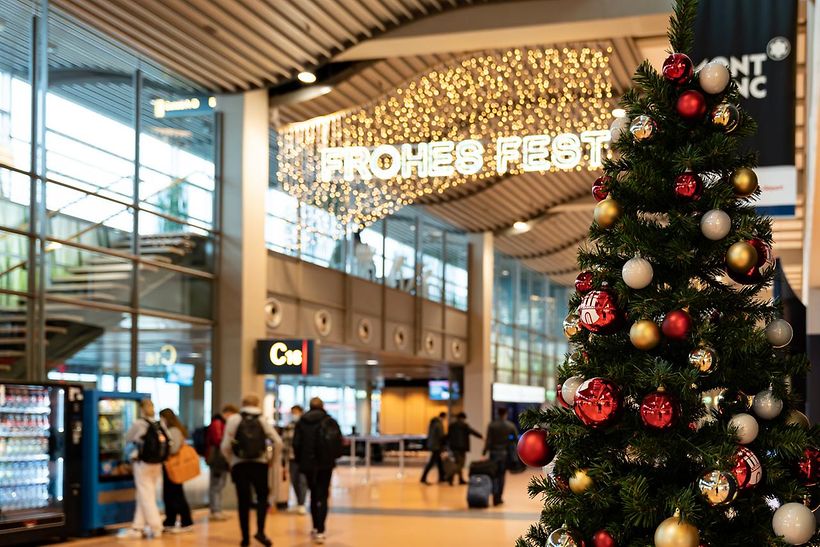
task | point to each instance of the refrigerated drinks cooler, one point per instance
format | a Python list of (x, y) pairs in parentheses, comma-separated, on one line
[(41, 434)]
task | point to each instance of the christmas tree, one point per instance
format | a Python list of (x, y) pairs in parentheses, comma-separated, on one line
[(677, 425)]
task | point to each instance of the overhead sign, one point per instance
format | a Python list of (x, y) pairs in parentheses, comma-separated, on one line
[(191, 106), (515, 393), (285, 357), (760, 53)]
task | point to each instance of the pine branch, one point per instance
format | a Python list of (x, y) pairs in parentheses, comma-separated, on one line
[(681, 31)]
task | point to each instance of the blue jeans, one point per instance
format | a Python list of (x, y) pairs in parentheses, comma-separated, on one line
[(299, 482), (499, 456), (215, 488)]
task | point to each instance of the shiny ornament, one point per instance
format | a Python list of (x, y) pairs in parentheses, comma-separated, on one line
[(598, 402), (715, 224), (733, 401), (618, 127), (744, 182), (600, 188), (747, 469), (643, 128), (659, 410), (794, 523), (741, 256), (779, 333), (678, 68), (637, 272), (580, 482), (704, 359), (688, 186), (762, 267), (534, 449), (799, 419), (598, 312), (676, 532), (808, 467), (747, 427), (691, 105), (570, 387), (726, 116), (714, 77), (572, 325), (676, 325), (718, 487), (645, 334), (559, 396), (607, 213), (766, 405), (602, 538), (563, 538), (583, 283)]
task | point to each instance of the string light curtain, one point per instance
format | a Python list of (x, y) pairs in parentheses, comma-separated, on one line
[(522, 91)]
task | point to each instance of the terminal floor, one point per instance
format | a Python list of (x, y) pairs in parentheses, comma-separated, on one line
[(385, 511)]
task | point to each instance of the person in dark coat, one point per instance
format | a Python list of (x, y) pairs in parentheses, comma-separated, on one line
[(501, 437), (458, 439), (435, 444)]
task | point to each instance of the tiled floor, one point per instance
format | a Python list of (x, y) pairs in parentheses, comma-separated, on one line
[(386, 511)]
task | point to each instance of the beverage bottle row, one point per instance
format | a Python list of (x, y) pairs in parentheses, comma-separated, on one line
[(23, 447), (23, 423), (25, 497), (21, 473), (23, 398)]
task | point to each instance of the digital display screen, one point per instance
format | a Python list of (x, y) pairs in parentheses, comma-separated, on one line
[(180, 374), (444, 390)]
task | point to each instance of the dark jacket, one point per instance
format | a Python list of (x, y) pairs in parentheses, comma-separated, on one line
[(458, 437), (435, 435), (501, 434), (306, 442)]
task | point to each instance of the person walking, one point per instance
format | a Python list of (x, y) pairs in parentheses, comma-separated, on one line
[(317, 443), (173, 495), (297, 478), (435, 444), (151, 442), (501, 437), (216, 461), (458, 439), (245, 446)]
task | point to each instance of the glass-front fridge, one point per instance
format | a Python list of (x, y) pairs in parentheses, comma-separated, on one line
[(41, 433)]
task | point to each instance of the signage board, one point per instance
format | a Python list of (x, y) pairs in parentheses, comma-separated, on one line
[(181, 374), (295, 357), (177, 108), (515, 393)]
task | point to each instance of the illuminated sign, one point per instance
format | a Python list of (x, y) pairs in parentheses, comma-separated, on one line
[(527, 153), (285, 357), (167, 356), (514, 393), (183, 107)]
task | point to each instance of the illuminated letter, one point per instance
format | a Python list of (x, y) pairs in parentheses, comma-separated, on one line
[(757, 87), (507, 149), (167, 355), (469, 157), (295, 357), (356, 160), (566, 151), (332, 161), (392, 170), (419, 159), (275, 358), (536, 153), (596, 140), (757, 60), (440, 163)]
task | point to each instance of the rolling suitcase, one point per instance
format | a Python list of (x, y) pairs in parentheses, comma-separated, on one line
[(448, 463), (483, 467), (479, 490)]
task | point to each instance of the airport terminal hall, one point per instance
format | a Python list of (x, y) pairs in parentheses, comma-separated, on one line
[(368, 273)]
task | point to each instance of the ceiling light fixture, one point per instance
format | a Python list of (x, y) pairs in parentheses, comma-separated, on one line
[(619, 113), (306, 77), (371, 362), (521, 227)]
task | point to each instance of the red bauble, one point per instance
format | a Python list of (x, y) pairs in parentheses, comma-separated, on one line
[(533, 448), (600, 188), (691, 105), (676, 325), (748, 471), (678, 68), (598, 402), (559, 397), (688, 186), (659, 410), (583, 283), (602, 538), (764, 264), (598, 312), (808, 468)]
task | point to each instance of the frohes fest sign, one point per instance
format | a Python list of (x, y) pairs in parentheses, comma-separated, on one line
[(296, 357)]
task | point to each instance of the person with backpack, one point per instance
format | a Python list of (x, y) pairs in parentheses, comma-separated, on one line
[(216, 460), (152, 447), (173, 495), (501, 437), (317, 444), (458, 438), (297, 478), (245, 447), (436, 441)]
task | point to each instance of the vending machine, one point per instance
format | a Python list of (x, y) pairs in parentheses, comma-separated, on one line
[(109, 493), (41, 434)]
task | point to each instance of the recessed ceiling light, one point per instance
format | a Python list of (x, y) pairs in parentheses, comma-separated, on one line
[(619, 113), (520, 226), (371, 362), (306, 77)]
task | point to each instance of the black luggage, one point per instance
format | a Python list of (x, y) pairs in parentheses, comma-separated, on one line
[(449, 465), (479, 490), (483, 467)]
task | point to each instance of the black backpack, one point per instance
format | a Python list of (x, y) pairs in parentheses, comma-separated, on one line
[(199, 435), (330, 442), (250, 441), (155, 445)]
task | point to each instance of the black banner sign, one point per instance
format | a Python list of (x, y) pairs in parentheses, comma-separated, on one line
[(285, 357)]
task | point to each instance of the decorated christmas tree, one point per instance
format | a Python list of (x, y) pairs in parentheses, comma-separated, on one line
[(677, 426)]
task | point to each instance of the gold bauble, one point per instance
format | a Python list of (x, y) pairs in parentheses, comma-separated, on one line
[(744, 182), (718, 487), (580, 482), (607, 213), (572, 325), (704, 359), (675, 532), (645, 334), (796, 417), (741, 257)]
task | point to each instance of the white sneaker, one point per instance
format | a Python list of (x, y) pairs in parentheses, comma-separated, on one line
[(319, 539), (313, 533), (154, 534), (302, 510), (131, 533)]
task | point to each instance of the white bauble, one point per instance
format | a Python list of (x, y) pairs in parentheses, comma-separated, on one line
[(779, 333), (569, 387), (747, 427), (618, 127), (637, 272), (767, 406), (714, 77), (715, 224), (794, 522)]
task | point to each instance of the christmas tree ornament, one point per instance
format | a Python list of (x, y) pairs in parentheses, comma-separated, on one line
[(766, 405), (715, 224), (795, 417), (718, 487), (598, 402), (779, 333), (618, 127), (580, 481), (808, 467), (744, 182), (688, 186), (583, 283), (572, 325), (643, 128), (726, 116), (704, 359), (676, 325), (562, 537), (659, 410), (607, 213), (534, 449), (598, 312), (741, 256), (600, 188), (794, 523), (714, 77), (691, 105), (761, 268), (559, 396), (733, 401), (570, 387), (676, 532), (678, 68), (637, 273), (747, 469), (602, 538), (747, 427), (645, 334)]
